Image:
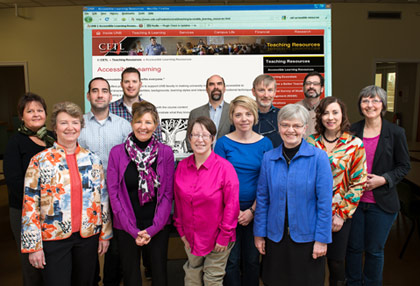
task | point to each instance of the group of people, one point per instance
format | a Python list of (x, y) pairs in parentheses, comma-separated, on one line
[(201, 48), (298, 186)]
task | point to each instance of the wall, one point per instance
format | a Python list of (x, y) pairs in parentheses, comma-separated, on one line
[(358, 43), (405, 98), (51, 41)]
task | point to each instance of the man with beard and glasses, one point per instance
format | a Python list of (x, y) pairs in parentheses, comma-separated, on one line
[(103, 130), (313, 87), (217, 109), (264, 90)]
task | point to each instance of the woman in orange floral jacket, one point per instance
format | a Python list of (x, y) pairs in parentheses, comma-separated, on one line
[(65, 215)]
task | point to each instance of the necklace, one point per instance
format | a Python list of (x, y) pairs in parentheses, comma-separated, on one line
[(286, 157), (330, 141)]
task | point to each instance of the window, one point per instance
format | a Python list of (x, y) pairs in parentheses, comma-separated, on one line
[(385, 77)]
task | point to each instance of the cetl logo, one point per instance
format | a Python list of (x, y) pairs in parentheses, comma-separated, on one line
[(106, 47)]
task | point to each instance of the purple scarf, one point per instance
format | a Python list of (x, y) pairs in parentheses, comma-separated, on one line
[(148, 179)]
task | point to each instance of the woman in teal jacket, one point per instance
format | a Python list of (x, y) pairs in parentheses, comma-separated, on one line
[(292, 223)]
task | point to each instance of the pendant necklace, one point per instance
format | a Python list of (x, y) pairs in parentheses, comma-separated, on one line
[(286, 157)]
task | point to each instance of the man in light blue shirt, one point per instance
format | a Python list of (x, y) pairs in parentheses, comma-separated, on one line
[(103, 130)]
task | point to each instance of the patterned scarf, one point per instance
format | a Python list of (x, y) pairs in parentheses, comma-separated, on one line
[(148, 179), (42, 134)]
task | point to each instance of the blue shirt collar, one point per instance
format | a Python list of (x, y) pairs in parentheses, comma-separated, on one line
[(219, 107)]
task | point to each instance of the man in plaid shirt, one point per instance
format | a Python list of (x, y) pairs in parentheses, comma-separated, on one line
[(130, 84)]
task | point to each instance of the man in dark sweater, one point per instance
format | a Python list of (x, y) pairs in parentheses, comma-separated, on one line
[(264, 90)]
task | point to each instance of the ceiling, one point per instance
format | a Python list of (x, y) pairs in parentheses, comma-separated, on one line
[(46, 3)]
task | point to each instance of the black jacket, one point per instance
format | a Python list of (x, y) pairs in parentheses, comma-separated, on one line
[(391, 160)]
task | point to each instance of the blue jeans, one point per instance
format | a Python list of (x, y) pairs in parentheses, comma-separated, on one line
[(369, 231), (244, 254)]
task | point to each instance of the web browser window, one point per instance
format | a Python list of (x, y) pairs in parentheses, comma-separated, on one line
[(177, 48)]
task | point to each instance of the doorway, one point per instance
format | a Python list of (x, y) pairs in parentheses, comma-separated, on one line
[(13, 84), (401, 80)]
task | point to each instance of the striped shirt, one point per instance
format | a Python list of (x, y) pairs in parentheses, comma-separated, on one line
[(118, 108), (348, 166)]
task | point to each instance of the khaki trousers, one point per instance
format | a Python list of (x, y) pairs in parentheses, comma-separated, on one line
[(209, 269)]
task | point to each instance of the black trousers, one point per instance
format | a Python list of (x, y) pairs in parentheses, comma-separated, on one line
[(336, 253), (112, 264), (130, 255), (337, 249), (71, 261), (31, 275)]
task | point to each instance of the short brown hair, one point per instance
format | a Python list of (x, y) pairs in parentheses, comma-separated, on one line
[(68, 107), (130, 70), (246, 102), (345, 123), (315, 73), (27, 98), (141, 108), (205, 122)]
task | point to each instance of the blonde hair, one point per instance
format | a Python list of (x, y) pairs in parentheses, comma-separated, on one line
[(246, 102)]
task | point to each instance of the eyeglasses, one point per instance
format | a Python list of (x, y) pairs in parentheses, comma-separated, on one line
[(265, 128), (373, 101), (205, 137), (294, 126), (314, 83)]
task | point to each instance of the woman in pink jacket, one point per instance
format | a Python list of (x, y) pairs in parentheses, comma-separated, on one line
[(206, 206)]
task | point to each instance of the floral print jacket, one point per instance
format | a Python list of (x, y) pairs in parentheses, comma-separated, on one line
[(46, 212)]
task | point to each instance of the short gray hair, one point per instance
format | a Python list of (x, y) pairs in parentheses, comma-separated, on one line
[(293, 111), (373, 91)]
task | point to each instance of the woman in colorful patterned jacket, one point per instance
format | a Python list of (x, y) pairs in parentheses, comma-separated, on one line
[(348, 165), (65, 217)]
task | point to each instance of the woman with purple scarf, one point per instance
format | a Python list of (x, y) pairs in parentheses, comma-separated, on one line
[(140, 186)]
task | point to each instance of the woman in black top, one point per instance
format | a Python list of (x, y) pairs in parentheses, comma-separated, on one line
[(388, 161), (32, 137)]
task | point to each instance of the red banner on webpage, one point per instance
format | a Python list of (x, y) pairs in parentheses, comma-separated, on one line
[(119, 43), (204, 33)]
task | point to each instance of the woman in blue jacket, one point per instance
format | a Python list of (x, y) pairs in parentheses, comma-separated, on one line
[(292, 223)]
